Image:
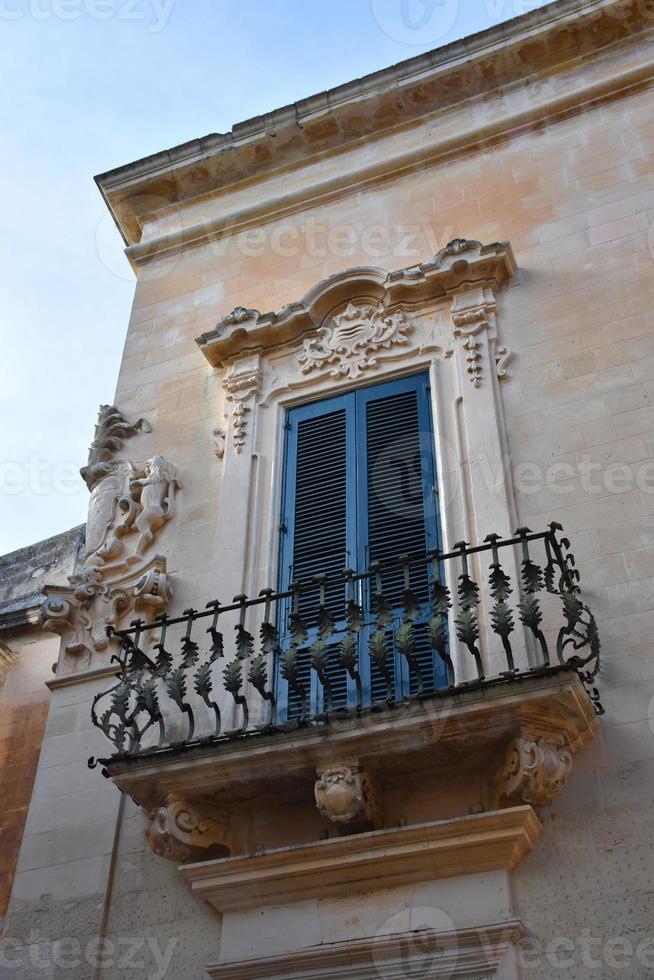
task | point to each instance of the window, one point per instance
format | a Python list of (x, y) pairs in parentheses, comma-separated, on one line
[(359, 487)]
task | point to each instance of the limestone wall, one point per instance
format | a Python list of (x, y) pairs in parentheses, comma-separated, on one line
[(23, 712), (576, 200)]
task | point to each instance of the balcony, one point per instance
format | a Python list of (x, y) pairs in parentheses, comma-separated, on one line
[(331, 710)]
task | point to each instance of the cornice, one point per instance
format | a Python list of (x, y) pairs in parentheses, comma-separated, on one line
[(461, 264), (361, 862), (473, 951), (568, 33), (82, 677)]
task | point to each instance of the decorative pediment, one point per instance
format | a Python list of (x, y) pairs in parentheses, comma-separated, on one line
[(460, 265)]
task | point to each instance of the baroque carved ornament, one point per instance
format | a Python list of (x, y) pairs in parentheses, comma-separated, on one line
[(349, 343), (346, 796), (366, 326), (240, 386), (371, 324), (181, 830), (533, 771), (474, 315), (130, 503)]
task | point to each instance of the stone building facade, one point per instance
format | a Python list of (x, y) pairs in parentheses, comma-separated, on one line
[(28, 657), (441, 338)]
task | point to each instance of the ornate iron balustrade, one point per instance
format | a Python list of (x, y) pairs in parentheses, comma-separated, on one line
[(162, 687)]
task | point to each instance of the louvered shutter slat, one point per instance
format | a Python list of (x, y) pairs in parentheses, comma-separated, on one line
[(396, 511), (320, 545)]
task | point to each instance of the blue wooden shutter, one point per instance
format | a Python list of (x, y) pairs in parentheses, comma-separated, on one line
[(319, 517), (359, 487), (398, 512)]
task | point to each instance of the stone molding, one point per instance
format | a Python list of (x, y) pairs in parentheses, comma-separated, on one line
[(345, 349), (368, 861), (350, 324), (130, 504), (436, 734), (399, 95), (469, 954), (346, 795), (180, 830), (533, 771)]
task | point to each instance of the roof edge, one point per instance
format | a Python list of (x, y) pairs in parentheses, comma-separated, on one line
[(520, 47)]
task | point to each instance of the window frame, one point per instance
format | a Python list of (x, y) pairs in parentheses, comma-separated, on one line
[(355, 402)]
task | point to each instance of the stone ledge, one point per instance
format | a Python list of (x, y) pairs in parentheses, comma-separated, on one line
[(466, 731), (467, 952), (361, 862)]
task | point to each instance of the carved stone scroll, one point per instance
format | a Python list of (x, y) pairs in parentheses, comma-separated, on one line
[(182, 831), (532, 772)]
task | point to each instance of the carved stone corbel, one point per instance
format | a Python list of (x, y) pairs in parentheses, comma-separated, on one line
[(347, 795), (182, 831), (153, 591), (240, 386), (532, 772)]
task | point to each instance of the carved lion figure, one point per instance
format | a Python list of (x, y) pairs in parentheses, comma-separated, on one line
[(155, 491)]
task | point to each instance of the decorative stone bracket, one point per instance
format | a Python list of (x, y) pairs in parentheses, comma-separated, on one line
[(182, 831), (240, 386), (532, 772), (347, 795), (474, 318)]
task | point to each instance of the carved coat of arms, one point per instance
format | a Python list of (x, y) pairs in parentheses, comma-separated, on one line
[(129, 504), (350, 343)]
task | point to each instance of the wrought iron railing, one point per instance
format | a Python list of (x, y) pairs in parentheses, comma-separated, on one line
[(374, 627)]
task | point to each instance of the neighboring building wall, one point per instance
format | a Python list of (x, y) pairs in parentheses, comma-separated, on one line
[(24, 702), (575, 198), (28, 657)]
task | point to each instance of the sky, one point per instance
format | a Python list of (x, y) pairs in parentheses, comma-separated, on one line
[(88, 85)]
